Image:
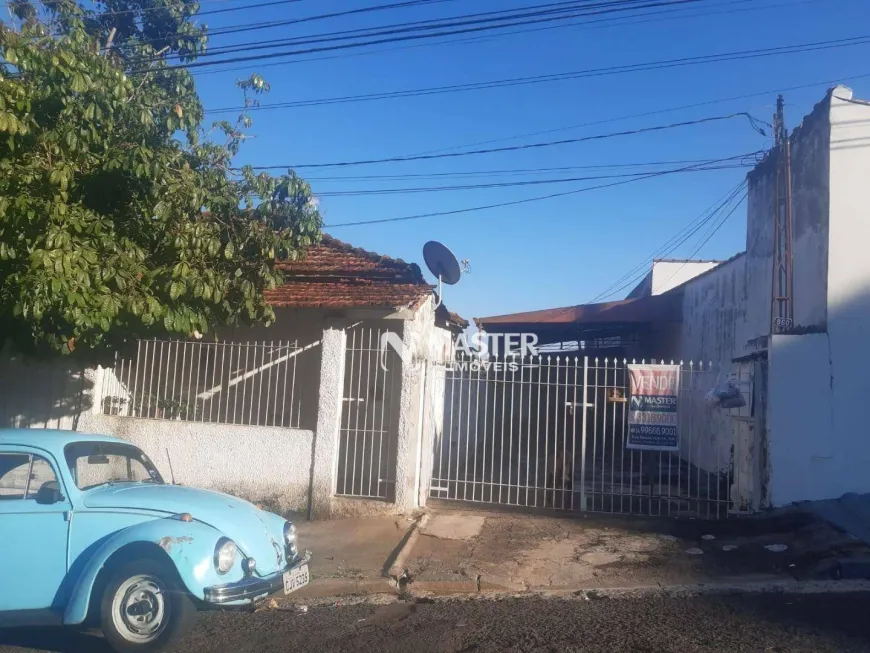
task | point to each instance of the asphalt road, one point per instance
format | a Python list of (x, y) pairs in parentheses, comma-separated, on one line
[(723, 624)]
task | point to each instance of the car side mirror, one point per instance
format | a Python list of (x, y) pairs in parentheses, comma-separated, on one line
[(49, 493)]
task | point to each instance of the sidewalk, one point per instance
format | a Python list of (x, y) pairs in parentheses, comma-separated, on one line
[(455, 551)]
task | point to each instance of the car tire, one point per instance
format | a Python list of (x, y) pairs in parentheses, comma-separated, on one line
[(144, 607)]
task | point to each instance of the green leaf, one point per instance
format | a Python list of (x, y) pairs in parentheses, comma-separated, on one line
[(176, 290)]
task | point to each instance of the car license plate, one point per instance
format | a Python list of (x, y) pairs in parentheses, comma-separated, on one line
[(295, 578)]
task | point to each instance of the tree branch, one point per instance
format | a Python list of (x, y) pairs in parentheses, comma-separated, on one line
[(111, 38)]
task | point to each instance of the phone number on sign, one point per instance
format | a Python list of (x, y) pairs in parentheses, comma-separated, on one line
[(654, 430)]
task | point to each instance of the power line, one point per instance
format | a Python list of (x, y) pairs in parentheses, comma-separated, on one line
[(645, 114), (587, 24), (506, 171), (528, 146), (488, 20), (236, 29), (640, 270), (704, 242), (388, 39), (556, 77), (538, 198), (507, 184), (307, 19)]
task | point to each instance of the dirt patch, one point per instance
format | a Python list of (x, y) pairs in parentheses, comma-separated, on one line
[(541, 552)]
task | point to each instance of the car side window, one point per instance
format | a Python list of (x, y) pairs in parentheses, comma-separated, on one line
[(21, 475)]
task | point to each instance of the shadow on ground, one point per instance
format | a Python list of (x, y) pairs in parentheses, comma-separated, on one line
[(57, 640)]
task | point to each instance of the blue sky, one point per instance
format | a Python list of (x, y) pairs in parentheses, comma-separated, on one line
[(558, 251)]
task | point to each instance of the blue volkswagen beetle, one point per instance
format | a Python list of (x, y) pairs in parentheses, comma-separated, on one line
[(91, 533)]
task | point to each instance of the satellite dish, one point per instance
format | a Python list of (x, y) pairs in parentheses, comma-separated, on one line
[(441, 262)]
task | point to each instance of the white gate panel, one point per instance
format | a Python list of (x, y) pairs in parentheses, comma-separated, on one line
[(550, 432)]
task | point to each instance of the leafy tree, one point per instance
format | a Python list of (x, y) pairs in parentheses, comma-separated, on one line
[(121, 217)]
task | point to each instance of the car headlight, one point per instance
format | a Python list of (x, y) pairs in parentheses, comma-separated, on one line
[(290, 540), (225, 555)]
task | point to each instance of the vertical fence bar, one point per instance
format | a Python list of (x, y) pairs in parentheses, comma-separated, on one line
[(584, 408), (519, 421), (224, 391), (372, 391), (468, 411), (501, 436), (364, 361), (486, 478), (386, 405), (280, 398), (244, 382), (574, 407), (351, 399), (547, 435), (458, 438), (292, 354), (538, 434), (476, 436), (216, 386), (511, 437)]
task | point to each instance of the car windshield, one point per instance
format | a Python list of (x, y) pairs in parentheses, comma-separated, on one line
[(104, 463)]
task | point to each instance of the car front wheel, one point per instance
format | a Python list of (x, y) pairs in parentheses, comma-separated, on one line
[(144, 608)]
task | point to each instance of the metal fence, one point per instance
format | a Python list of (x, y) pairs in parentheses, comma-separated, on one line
[(250, 383), (550, 432), (369, 417)]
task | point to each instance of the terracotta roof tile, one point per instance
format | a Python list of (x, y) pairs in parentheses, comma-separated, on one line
[(334, 274)]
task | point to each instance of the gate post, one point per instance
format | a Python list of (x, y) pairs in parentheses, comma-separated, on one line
[(324, 453), (584, 408)]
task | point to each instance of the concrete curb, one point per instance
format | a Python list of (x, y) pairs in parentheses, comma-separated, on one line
[(398, 566), (382, 590)]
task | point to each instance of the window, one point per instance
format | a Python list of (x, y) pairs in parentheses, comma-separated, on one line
[(103, 463), (22, 474)]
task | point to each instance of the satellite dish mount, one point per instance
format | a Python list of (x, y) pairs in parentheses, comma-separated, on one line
[(442, 264)]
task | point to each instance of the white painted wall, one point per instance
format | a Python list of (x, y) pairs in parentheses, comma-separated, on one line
[(803, 460), (819, 447), (667, 275), (267, 466), (714, 309), (848, 289), (810, 198)]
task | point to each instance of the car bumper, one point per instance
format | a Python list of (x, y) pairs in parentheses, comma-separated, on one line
[(250, 589)]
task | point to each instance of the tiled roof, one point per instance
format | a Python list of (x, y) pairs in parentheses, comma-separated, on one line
[(444, 317), (334, 274)]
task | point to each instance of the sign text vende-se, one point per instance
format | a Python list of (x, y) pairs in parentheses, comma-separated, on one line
[(652, 418)]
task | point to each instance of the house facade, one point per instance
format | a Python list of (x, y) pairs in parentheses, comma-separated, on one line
[(310, 415)]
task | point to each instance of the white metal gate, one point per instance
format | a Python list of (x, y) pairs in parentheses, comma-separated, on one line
[(550, 432), (369, 417)]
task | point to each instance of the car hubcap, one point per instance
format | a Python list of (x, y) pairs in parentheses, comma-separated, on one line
[(139, 610)]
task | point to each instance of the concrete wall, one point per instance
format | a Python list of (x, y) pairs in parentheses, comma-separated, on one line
[(714, 310), (848, 289), (818, 381), (267, 466), (810, 199), (804, 459), (667, 275), (422, 340)]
